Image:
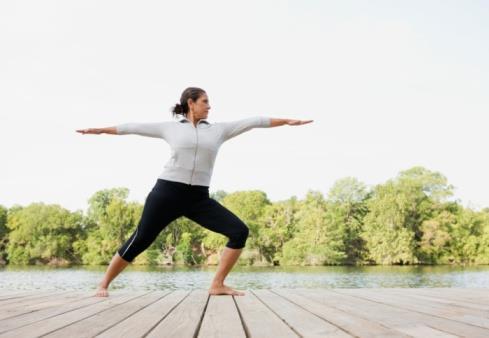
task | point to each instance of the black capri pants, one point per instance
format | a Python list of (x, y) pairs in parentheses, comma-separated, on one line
[(167, 201)]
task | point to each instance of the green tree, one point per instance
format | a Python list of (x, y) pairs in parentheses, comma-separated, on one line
[(3, 234), (469, 234), (393, 229), (319, 236), (435, 243), (249, 206), (182, 242), (218, 195), (387, 238), (432, 183), (347, 199), (42, 233), (483, 252), (111, 220), (278, 225)]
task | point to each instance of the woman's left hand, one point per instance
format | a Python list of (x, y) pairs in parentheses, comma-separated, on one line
[(298, 122)]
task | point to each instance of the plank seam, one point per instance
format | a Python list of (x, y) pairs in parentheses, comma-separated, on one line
[(94, 314), (59, 314), (42, 309), (167, 314), (199, 325), (123, 319), (276, 314), (301, 295), (36, 297), (339, 327), (450, 301), (420, 312), (245, 327)]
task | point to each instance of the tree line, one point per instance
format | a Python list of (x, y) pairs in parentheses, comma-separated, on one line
[(409, 219)]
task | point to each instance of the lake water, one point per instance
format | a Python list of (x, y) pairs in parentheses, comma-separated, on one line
[(163, 278)]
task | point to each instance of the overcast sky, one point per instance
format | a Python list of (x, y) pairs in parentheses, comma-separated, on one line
[(389, 85)]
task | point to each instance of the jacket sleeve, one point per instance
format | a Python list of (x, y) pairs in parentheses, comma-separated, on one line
[(234, 128), (152, 129)]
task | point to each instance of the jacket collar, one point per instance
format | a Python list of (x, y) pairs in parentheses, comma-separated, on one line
[(185, 120)]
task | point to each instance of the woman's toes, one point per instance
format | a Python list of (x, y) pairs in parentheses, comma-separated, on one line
[(238, 293), (102, 293), (225, 290)]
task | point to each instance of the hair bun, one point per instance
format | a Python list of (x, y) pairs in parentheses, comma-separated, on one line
[(192, 93), (177, 109)]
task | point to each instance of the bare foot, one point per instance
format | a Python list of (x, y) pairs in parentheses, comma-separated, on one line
[(102, 292), (224, 290)]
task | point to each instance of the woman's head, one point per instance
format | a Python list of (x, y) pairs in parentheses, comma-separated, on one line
[(194, 101)]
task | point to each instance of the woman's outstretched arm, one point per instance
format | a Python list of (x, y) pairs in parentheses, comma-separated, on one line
[(108, 130), (281, 122), (234, 128), (149, 129)]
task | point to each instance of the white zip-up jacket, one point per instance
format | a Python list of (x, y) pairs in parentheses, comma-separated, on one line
[(193, 149)]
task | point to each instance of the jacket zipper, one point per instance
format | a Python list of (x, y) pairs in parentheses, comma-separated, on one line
[(195, 154)]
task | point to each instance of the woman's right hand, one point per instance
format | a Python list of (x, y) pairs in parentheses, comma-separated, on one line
[(91, 131)]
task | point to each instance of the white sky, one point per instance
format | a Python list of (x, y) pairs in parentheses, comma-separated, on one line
[(390, 85)]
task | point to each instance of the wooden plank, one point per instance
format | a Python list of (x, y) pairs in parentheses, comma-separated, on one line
[(421, 304), (478, 299), (31, 297), (469, 316), (428, 297), (474, 293), (259, 321), (35, 316), (378, 312), (417, 330), (351, 323), (413, 323), (50, 324), (184, 320), (221, 318), (15, 294), (301, 321), (143, 321), (103, 320), (31, 306)]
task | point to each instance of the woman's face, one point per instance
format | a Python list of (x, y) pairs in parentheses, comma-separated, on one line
[(200, 108)]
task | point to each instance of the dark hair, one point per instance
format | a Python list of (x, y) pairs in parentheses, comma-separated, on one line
[(189, 93)]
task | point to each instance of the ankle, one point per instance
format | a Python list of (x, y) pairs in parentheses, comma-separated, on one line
[(217, 283), (103, 285)]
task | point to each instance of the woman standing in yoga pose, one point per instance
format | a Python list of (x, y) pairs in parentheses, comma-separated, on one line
[(182, 189)]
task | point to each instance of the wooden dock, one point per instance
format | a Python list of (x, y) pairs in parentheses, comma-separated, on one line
[(276, 313)]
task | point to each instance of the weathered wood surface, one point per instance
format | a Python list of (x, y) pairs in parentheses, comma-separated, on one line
[(369, 312)]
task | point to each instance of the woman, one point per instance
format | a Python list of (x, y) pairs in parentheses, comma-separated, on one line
[(182, 189)]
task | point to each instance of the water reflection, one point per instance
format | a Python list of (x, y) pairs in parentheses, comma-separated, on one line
[(171, 277)]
